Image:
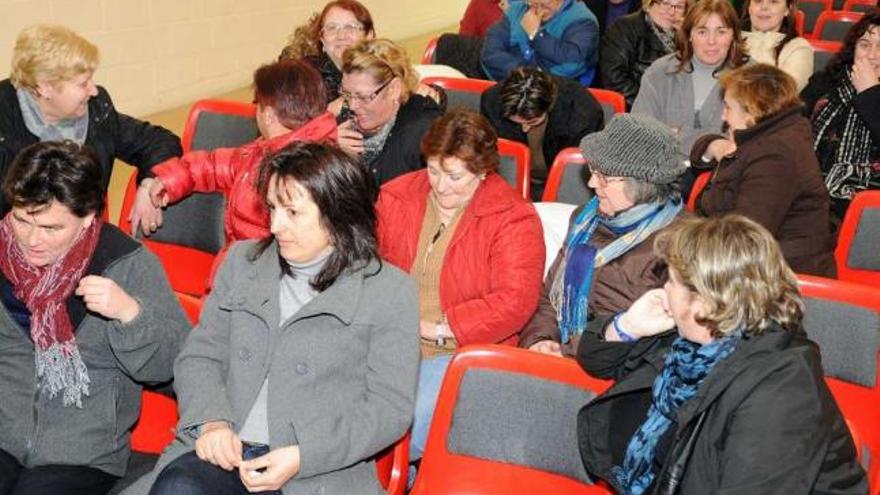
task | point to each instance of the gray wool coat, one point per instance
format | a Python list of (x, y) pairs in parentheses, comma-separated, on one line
[(668, 96), (343, 369)]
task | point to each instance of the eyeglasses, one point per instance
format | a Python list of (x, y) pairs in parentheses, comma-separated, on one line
[(344, 29), (673, 7), (363, 99), (602, 180)]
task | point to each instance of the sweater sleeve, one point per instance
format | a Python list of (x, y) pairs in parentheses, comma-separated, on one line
[(200, 171), (796, 59), (766, 191), (498, 56)]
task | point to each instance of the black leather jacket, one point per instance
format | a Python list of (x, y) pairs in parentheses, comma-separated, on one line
[(628, 48)]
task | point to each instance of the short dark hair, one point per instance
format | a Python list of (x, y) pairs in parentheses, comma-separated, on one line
[(62, 171), (465, 135), (344, 192), (293, 88), (840, 66), (527, 92)]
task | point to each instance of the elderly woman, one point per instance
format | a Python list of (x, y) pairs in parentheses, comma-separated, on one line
[(681, 89), (290, 107), (770, 31), (765, 168), (297, 374), (545, 113), (472, 244), (635, 41), (383, 119), (51, 95), (842, 102), (717, 404), (606, 261), (87, 317)]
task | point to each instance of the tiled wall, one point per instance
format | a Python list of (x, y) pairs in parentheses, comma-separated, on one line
[(158, 54)]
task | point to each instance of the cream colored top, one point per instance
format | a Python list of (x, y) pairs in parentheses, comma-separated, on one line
[(796, 57)]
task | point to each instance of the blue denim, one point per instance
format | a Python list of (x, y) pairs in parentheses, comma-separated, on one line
[(431, 373), (189, 475)]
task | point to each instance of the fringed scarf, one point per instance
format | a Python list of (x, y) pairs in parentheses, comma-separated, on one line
[(843, 140), (570, 292), (44, 291), (687, 365)]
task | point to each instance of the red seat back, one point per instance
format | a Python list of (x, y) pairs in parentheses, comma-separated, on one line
[(857, 253), (515, 165), (567, 182), (697, 189)]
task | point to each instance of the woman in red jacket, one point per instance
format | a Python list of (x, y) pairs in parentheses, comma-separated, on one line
[(290, 107), (474, 247)]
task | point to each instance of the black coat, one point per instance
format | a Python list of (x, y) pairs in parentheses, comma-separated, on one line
[(575, 114), (769, 423), (331, 74), (111, 135), (599, 8), (628, 48)]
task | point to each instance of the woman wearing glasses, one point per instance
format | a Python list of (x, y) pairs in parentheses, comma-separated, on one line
[(383, 119), (473, 246), (770, 30), (635, 41), (606, 262)]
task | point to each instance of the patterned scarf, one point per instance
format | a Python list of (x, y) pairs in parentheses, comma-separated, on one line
[(74, 130), (570, 293), (373, 145), (665, 37), (687, 365), (44, 291), (841, 135)]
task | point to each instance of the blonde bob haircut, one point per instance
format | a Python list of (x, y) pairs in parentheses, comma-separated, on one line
[(51, 54), (384, 60), (646, 4), (737, 267), (763, 90)]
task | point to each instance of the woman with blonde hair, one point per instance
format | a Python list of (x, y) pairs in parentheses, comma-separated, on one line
[(715, 378), (765, 168), (383, 119), (51, 95)]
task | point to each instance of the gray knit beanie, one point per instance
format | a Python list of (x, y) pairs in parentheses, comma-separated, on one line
[(635, 146)]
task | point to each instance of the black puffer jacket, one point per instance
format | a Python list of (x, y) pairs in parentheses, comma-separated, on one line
[(762, 422), (628, 48), (111, 135)]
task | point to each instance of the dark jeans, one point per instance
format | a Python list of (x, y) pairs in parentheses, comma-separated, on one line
[(189, 475), (52, 479)]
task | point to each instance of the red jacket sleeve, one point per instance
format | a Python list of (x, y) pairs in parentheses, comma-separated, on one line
[(200, 171)]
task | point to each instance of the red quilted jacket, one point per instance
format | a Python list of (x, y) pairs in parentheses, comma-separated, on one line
[(233, 172), (491, 276)]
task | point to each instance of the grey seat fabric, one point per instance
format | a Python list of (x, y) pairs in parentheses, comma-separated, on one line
[(214, 130), (507, 170), (862, 7), (466, 100), (864, 252), (573, 186), (608, 112), (811, 12), (821, 59), (848, 337), (519, 419), (834, 30)]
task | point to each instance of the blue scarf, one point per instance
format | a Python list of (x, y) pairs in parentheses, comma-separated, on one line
[(687, 364), (569, 12), (570, 293)]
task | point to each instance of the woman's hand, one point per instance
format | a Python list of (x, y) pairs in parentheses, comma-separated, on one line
[(103, 296), (720, 148), (144, 212), (649, 315), (547, 347), (350, 139), (428, 330), (279, 466), (219, 445), (428, 92), (531, 21), (157, 193), (864, 76)]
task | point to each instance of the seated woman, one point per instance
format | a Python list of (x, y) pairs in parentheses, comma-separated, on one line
[(606, 261), (842, 102), (765, 168), (715, 380), (383, 119), (297, 374), (290, 107), (770, 31), (51, 95), (87, 317), (635, 41), (681, 89), (543, 112), (472, 244)]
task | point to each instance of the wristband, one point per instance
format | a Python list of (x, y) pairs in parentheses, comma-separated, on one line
[(442, 331), (624, 337)]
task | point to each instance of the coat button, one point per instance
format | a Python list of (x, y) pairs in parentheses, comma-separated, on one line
[(302, 369), (244, 354)]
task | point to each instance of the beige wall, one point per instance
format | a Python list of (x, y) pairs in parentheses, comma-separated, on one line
[(157, 54)]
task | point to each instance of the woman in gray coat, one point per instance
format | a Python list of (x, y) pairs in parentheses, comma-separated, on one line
[(304, 363)]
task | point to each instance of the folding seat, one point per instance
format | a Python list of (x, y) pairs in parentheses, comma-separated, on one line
[(858, 242), (833, 25), (863, 6), (612, 102), (515, 165), (461, 93), (567, 182)]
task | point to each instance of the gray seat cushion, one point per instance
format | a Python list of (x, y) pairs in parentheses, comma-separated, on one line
[(519, 419), (467, 100), (507, 170), (848, 337), (573, 186), (864, 252), (214, 130), (197, 222)]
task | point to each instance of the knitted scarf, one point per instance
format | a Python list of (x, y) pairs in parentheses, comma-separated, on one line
[(74, 130), (686, 366), (570, 292), (837, 125), (44, 291)]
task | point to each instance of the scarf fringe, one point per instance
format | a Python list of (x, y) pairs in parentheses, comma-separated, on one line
[(60, 367)]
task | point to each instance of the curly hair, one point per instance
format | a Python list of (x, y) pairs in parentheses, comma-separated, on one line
[(306, 39), (384, 60), (839, 66)]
